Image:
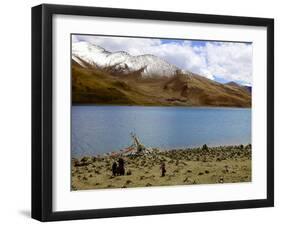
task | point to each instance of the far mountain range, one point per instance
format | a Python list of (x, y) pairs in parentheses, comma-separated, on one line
[(118, 78)]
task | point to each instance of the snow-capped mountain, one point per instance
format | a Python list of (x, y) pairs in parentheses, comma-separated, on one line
[(98, 77), (122, 62)]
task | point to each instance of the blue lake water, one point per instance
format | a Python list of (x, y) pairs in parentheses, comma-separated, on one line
[(102, 129)]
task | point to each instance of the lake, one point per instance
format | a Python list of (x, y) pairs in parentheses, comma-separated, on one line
[(103, 129)]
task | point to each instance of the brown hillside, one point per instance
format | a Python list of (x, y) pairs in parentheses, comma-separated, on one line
[(95, 86)]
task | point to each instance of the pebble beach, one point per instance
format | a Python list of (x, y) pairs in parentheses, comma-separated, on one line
[(190, 166)]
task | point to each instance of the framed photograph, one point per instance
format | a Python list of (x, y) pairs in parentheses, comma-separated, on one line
[(145, 112)]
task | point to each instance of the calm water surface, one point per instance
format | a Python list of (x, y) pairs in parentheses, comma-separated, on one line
[(102, 129)]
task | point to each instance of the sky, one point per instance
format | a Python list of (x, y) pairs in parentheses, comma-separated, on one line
[(217, 60)]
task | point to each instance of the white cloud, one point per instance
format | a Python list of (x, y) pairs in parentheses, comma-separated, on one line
[(224, 60), (230, 61)]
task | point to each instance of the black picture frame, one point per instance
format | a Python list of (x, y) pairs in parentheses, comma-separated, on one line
[(42, 111)]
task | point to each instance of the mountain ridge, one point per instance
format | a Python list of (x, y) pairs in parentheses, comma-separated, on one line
[(101, 77), (150, 65)]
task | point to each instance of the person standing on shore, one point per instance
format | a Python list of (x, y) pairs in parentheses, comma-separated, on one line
[(121, 168), (114, 169), (163, 169)]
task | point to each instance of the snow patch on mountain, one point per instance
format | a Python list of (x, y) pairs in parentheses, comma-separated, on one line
[(148, 65)]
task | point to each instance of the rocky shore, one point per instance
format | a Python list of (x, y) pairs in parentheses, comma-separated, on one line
[(204, 165)]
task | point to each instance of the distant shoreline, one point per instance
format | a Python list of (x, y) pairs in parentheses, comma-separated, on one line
[(186, 148), (177, 106), (204, 165)]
